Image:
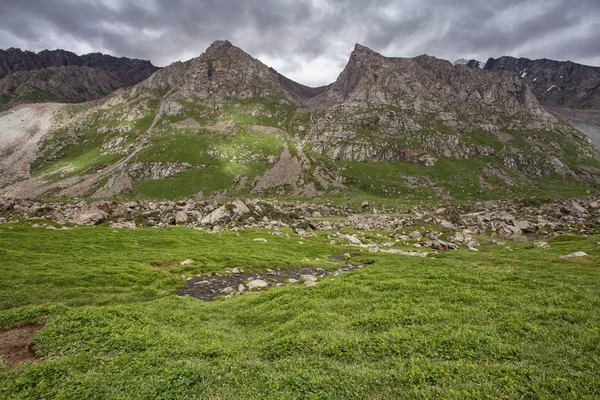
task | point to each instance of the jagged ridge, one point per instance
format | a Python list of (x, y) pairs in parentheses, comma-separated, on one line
[(59, 75), (555, 83), (225, 123)]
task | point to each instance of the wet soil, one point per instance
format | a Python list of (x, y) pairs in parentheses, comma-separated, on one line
[(210, 286), (15, 345)]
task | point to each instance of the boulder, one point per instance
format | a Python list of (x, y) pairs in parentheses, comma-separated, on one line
[(257, 284), (524, 226), (574, 208), (447, 224), (181, 217), (88, 215), (443, 246), (353, 240), (415, 235), (219, 216)]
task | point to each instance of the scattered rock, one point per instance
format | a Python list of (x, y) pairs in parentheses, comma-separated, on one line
[(257, 284), (542, 245), (353, 240), (308, 278), (415, 235), (407, 253), (122, 225), (575, 254), (186, 262)]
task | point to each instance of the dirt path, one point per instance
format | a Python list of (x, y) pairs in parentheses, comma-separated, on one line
[(84, 186)]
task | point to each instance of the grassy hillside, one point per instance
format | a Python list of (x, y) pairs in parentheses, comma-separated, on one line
[(221, 149), (488, 324)]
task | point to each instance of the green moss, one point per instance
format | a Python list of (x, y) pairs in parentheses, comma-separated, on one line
[(483, 138)]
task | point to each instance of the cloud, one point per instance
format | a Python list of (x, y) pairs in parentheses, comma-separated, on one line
[(307, 40)]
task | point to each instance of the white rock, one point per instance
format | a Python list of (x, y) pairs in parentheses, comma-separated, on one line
[(543, 245), (353, 240), (575, 254), (263, 240), (186, 262), (407, 253), (308, 278), (257, 284)]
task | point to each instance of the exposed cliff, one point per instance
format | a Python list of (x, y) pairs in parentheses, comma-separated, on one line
[(555, 83)]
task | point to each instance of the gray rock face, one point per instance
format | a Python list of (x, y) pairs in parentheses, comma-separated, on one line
[(223, 70), (427, 83), (127, 71), (415, 109), (555, 83), (58, 84), (62, 76)]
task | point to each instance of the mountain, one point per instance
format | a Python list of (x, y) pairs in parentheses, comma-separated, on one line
[(63, 76), (555, 83), (226, 125), (469, 63)]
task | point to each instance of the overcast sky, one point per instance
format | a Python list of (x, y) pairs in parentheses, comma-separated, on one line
[(308, 40)]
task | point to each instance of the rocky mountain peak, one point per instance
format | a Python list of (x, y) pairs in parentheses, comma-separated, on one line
[(220, 72), (359, 49), (218, 49)]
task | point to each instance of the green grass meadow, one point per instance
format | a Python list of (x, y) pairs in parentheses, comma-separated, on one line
[(462, 324)]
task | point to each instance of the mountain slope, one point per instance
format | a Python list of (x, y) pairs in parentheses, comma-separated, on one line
[(555, 83), (63, 76), (226, 125), (58, 84), (129, 71)]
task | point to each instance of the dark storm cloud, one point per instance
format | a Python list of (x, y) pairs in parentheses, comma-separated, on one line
[(308, 40)]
